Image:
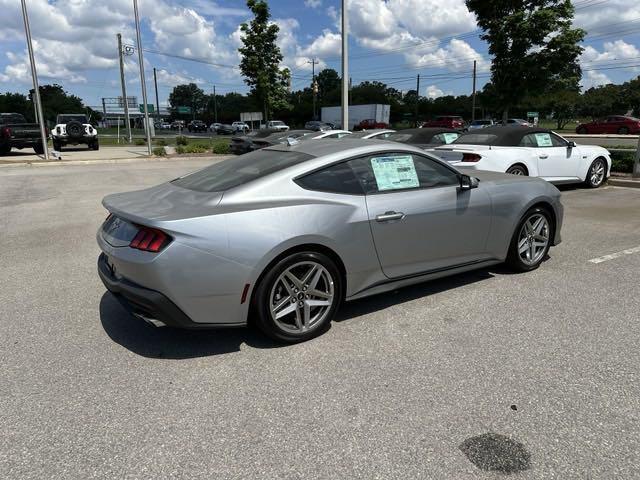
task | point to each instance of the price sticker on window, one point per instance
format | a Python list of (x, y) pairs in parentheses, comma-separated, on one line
[(543, 140), (450, 137), (395, 172)]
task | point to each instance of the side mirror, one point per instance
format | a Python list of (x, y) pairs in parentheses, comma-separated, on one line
[(467, 182), (571, 144)]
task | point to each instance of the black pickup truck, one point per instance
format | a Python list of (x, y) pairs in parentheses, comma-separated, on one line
[(16, 132)]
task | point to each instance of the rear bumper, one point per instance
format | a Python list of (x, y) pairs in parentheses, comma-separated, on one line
[(147, 304)]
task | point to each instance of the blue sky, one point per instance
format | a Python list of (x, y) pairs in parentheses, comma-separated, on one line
[(391, 41)]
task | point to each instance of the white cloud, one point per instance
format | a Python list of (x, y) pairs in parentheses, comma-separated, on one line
[(594, 79), (456, 56), (433, 92), (313, 3)]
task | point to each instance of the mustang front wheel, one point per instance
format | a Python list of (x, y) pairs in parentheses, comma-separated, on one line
[(298, 297), (596, 174), (531, 241)]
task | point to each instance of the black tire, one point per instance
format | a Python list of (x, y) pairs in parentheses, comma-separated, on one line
[(57, 146), (581, 131), (594, 180), (38, 149), (94, 145), (514, 260), (623, 131), (5, 149), (261, 302), (518, 170)]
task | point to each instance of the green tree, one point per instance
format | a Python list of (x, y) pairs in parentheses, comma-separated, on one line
[(189, 95), (56, 100), (603, 100), (564, 106), (329, 87), (261, 59), (534, 47), (16, 103)]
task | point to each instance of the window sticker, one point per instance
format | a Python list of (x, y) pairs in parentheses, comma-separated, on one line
[(395, 172), (543, 140), (450, 137)]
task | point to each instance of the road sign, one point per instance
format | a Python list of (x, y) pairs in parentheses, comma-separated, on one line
[(533, 114), (251, 116), (150, 107), (184, 109)]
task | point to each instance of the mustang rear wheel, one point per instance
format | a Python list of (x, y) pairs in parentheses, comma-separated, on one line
[(517, 170), (298, 297), (531, 240), (596, 174)]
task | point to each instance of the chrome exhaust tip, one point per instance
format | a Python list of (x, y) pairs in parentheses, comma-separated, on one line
[(151, 321)]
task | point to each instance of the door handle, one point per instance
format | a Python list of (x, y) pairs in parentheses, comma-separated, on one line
[(544, 156), (388, 216)]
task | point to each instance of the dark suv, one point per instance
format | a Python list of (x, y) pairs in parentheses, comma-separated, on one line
[(197, 126)]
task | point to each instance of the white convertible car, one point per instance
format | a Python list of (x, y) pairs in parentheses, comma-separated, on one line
[(536, 152)]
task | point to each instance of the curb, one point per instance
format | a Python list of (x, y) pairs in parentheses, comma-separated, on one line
[(619, 182), (61, 163)]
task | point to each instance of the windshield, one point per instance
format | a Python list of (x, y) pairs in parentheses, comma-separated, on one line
[(7, 118), (240, 170), (68, 118)]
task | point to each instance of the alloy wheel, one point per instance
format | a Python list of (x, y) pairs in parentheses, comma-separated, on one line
[(597, 174), (301, 297), (533, 239)]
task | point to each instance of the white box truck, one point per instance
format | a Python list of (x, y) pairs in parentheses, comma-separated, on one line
[(357, 113)]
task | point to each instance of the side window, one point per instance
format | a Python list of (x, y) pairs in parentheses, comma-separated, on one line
[(444, 138), (338, 178), (402, 171), (556, 141), (528, 141), (539, 140)]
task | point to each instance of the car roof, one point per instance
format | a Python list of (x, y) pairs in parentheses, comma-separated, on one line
[(505, 136), (325, 147)]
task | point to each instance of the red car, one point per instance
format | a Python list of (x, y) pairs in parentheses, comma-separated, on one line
[(612, 124), (446, 121), (370, 124)]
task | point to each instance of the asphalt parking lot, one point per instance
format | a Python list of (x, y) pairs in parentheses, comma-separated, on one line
[(534, 375)]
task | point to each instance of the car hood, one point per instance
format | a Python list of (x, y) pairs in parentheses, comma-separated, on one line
[(161, 203)]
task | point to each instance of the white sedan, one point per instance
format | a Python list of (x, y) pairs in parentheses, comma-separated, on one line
[(536, 152)]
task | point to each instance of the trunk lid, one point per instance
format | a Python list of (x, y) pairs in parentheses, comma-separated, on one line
[(161, 203)]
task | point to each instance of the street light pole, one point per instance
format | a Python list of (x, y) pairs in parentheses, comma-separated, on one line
[(345, 68), (314, 86), (34, 77), (142, 81), (124, 87)]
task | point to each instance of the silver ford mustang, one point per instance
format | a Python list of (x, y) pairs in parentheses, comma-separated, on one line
[(281, 236)]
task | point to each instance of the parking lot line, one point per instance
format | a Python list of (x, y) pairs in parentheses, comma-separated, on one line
[(612, 256)]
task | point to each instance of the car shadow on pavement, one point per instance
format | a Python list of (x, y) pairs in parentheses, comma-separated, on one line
[(170, 343), (374, 303)]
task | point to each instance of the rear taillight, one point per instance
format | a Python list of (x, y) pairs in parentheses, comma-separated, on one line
[(6, 132), (150, 240), (471, 157)]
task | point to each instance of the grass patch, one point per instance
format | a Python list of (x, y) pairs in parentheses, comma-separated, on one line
[(182, 140), (140, 141)]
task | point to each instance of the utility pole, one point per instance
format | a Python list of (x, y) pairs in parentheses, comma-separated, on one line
[(473, 101), (345, 68), (124, 87), (215, 105), (34, 77), (417, 97), (314, 85), (636, 164), (155, 83), (144, 85)]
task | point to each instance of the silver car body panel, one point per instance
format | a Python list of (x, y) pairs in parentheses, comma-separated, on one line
[(223, 242)]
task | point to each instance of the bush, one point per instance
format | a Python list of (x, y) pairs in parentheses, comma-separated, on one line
[(622, 161), (180, 149), (159, 152), (196, 148), (181, 140), (140, 141), (221, 148), (161, 142)]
